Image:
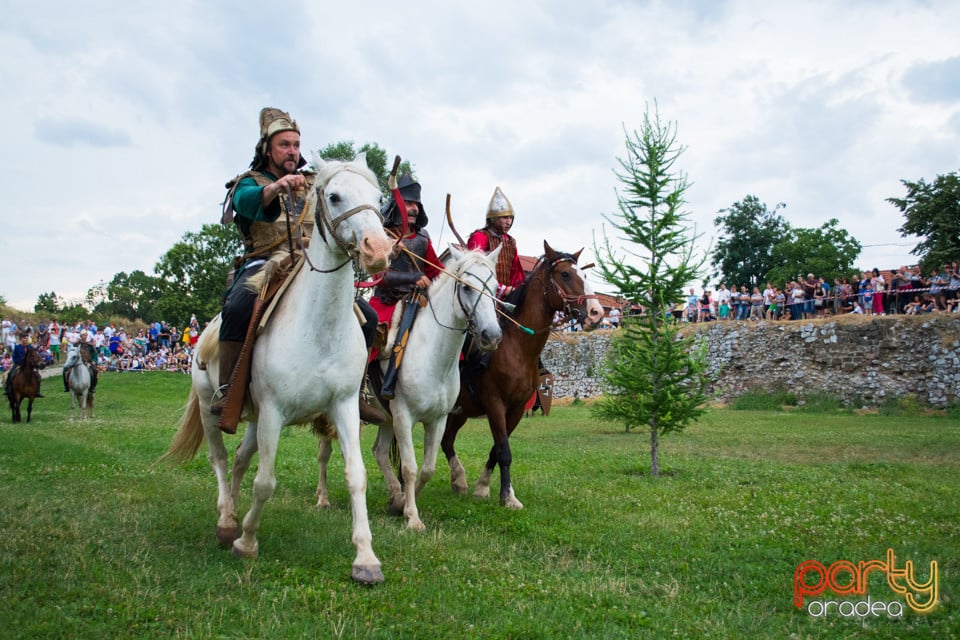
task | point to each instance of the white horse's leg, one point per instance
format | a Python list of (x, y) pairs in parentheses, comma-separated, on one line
[(403, 430), (431, 445), (228, 526), (242, 458), (381, 453), (325, 448), (366, 565), (264, 483)]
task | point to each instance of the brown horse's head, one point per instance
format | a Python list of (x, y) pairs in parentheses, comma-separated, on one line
[(574, 295)]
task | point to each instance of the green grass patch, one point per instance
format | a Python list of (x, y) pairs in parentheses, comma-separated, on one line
[(100, 543)]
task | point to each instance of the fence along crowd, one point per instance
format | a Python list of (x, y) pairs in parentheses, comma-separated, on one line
[(900, 291)]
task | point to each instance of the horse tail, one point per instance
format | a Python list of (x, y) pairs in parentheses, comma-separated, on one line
[(187, 439)]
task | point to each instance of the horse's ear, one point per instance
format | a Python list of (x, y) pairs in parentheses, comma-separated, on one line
[(316, 160), (548, 250), (495, 254), (455, 253), (576, 256), (361, 159)]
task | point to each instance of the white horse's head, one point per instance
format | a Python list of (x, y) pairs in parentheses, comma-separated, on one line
[(348, 206), (73, 356), (476, 275)]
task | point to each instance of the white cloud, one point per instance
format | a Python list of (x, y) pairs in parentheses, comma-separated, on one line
[(122, 126)]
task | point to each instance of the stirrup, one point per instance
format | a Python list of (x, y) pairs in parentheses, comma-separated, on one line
[(218, 400), (220, 394)]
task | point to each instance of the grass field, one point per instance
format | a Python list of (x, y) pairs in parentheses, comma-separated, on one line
[(98, 543)]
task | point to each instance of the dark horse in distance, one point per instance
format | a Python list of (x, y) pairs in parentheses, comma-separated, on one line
[(501, 389), (25, 384)]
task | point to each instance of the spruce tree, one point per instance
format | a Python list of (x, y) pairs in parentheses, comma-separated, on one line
[(656, 373)]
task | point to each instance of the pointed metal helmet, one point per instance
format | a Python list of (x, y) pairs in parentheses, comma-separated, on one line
[(499, 206)]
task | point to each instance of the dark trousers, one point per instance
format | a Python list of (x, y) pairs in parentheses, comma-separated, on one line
[(238, 307)]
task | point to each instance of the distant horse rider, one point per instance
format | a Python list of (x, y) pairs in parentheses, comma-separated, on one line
[(20, 352), (408, 275), (88, 357)]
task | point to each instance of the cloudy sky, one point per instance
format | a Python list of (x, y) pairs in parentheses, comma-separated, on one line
[(122, 123)]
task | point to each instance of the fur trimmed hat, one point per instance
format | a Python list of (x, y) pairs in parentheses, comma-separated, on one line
[(272, 122)]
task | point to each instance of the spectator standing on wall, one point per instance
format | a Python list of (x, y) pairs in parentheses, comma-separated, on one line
[(615, 317)]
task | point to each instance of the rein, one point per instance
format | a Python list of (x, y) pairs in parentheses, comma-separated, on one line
[(328, 223), (566, 299), (459, 282), (484, 292)]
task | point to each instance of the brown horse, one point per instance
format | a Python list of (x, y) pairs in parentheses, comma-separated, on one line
[(501, 389), (25, 384)]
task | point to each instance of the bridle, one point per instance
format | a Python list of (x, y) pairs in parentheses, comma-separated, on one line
[(324, 222), (469, 311), (566, 300)]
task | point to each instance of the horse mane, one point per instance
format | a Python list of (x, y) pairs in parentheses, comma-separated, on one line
[(332, 167)]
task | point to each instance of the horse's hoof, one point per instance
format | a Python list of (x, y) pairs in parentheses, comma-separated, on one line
[(243, 553), (227, 535), (367, 576), (511, 503), (323, 503), (395, 506), (416, 525), (482, 493)]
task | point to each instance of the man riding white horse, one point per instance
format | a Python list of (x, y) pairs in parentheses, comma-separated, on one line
[(410, 272), (88, 356), (269, 222)]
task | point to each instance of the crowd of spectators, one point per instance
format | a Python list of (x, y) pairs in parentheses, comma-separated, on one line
[(906, 290), (159, 347)]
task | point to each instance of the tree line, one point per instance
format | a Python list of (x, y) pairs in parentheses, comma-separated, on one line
[(756, 244)]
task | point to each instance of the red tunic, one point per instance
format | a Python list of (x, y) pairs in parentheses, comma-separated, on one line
[(509, 270)]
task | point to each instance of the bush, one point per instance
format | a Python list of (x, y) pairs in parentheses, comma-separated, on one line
[(755, 400)]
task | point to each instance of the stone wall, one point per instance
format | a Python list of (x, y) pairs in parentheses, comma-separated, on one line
[(856, 358)]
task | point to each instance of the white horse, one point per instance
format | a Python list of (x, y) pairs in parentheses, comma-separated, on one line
[(79, 383), (308, 361), (460, 300)]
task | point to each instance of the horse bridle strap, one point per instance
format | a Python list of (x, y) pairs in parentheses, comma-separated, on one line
[(327, 222)]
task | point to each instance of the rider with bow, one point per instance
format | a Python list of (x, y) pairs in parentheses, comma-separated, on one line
[(497, 232), (411, 271)]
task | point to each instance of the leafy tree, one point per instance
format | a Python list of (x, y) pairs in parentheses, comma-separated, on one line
[(191, 275), (932, 211), (48, 303), (828, 251), (376, 159), (655, 377), (749, 231), (133, 295)]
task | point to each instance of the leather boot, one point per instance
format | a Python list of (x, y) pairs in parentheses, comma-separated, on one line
[(229, 354), (369, 413)]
